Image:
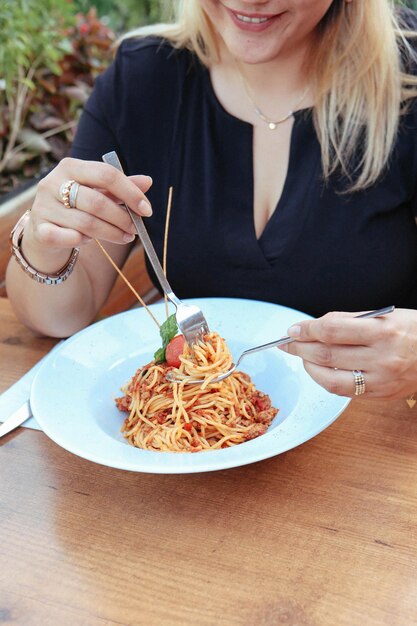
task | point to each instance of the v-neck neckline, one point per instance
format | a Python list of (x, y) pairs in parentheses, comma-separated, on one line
[(281, 219), (298, 115)]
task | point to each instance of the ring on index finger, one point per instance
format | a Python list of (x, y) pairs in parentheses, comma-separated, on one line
[(68, 192)]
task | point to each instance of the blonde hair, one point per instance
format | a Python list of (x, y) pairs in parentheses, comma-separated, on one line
[(359, 74)]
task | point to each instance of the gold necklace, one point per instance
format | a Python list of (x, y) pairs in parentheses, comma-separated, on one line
[(272, 124)]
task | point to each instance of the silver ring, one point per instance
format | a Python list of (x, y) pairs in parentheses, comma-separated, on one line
[(73, 194), (360, 386), (64, 192)]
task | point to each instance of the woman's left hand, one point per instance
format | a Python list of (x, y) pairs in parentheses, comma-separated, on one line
[(384, 349)]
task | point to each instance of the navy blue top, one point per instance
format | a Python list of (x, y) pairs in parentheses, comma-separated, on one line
[(320, 250)]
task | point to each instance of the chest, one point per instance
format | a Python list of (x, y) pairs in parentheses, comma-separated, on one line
[(295, 240), (251, 216), (271, 154)]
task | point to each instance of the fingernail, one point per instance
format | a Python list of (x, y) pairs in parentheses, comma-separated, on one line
[(145, 208), (294, 331), (150, 179), (127, 237), (283, 347)]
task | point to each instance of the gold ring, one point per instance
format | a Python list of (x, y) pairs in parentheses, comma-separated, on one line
[(360, 386), (64, 192)]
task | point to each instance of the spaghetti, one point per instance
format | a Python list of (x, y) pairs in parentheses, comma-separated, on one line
[(180, 417)]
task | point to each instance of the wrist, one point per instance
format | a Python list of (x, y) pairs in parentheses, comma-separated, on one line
[(44, 257), (52, 268)]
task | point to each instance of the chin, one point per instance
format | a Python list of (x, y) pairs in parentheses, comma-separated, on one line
[(252, 53)]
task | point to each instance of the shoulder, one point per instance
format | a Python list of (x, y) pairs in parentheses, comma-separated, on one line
[(145, 73), (151, 58)]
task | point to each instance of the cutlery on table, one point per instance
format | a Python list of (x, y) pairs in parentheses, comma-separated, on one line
[(190, 318), (21, 415)]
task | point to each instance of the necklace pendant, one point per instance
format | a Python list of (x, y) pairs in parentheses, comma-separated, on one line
[(272, 125)]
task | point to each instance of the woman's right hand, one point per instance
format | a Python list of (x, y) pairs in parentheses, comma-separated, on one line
[(54, 229)]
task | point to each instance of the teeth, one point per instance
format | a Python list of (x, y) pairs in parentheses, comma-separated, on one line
[(251, 20)]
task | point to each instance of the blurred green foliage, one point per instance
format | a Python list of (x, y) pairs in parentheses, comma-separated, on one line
[(31, 37), (49, 58), (124, 15)]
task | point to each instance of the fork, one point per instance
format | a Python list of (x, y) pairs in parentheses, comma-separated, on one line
[(190, 318), (278, 342)]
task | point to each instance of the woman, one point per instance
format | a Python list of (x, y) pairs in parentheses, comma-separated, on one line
[(288, 131)]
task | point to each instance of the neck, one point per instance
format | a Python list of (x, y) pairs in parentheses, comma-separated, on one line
[(271, 80)]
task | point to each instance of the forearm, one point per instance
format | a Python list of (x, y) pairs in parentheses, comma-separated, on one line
[(45, 237), (54, 310)]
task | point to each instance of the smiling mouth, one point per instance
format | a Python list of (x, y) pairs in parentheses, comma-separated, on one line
[(251, 20)]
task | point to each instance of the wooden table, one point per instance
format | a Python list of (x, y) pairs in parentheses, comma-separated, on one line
[(322, 535)]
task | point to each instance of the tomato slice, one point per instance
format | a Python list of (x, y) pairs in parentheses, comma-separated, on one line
[(174, 349)]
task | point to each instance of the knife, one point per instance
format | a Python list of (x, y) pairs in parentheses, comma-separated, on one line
[(16, 419)]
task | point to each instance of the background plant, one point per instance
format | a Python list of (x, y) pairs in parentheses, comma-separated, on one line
[(49, 58), (30, 39), (123, 15)]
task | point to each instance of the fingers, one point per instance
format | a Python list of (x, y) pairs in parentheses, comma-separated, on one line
[(378, 384), (112, 223), (332, 366), (97, 212), (55, 236), (143, 182), (340, 382), (98, 216), (341, 328), (333, 356), (103, 176), (382, 348)]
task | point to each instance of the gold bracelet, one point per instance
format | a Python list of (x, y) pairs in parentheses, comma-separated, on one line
[(45, 279)]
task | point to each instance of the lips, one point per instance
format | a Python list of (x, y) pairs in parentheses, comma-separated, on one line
[(253, 22)]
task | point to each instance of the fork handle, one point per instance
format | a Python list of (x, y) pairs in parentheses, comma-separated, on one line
[(112, 159), (265, 346), (280, 342)]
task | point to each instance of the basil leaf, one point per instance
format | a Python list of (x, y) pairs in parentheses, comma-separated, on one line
[(159, 355), (167, 331)]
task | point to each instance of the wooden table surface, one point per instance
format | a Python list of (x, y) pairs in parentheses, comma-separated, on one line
[(322, 535)]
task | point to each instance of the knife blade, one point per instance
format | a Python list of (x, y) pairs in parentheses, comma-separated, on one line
[(21, 415)]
